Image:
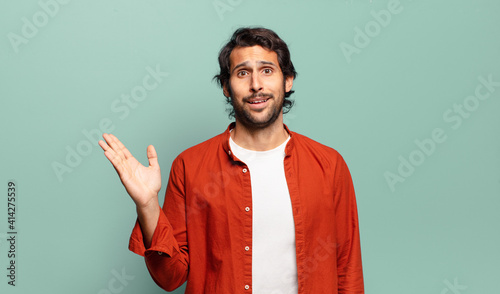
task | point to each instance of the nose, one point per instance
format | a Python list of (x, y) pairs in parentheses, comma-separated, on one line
[(256, 83)]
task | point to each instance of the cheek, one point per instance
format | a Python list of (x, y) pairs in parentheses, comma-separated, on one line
[(275, 85), (239, 86)]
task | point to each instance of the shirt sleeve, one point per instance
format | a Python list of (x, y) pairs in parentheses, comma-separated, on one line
[(167, 258), (349, 267)]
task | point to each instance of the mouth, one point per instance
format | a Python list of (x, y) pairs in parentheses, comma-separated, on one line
[(258, 101)]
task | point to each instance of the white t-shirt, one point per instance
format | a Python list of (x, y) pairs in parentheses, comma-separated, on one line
[(274, 266)]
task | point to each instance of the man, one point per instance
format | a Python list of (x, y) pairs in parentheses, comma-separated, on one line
[(256, 209)]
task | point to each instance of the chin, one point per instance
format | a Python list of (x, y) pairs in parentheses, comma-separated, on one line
[(259, 123)]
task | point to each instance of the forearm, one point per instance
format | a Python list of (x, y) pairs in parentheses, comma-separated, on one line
[(166, 257), (148, 218)]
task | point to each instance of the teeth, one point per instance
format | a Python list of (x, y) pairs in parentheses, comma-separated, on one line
[(260, 101)]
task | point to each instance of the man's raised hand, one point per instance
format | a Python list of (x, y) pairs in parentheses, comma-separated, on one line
[(142, 183)]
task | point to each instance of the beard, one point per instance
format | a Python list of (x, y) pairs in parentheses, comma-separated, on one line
[(250, 121)]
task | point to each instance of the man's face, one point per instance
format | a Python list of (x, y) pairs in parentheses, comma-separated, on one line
[(256, 86)]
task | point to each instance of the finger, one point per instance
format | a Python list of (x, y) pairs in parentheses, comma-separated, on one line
[(103, 145), (108, 142), (152, 156), (122, 147), (116, 161), (110, 153), (113, 143)]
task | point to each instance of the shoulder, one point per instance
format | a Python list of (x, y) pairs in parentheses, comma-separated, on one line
[(310, 153), (202, 150), (303, 143), (314, 156)]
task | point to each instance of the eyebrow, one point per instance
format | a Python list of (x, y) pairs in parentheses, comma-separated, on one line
[(246, 63)]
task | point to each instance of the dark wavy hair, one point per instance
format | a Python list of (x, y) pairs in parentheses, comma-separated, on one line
[(248, 37)]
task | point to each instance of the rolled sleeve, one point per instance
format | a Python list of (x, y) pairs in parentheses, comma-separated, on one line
[(167, 258), (162, 241)]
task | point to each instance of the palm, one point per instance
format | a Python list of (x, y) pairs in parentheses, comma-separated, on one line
[(142, 183), (139, 180)]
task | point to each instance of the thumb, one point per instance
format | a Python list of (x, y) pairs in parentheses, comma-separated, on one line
[(152, 156)]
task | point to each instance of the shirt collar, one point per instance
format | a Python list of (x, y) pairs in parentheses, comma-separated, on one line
[(227, 134)]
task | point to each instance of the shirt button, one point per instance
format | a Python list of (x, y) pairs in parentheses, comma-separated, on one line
[(247, 208), (247, 287), (245, 170), (247, 248)]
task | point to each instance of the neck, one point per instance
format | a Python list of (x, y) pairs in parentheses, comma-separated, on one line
[(262, 139)]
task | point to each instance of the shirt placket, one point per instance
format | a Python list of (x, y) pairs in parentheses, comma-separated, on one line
[(247, 217), (246, 210)]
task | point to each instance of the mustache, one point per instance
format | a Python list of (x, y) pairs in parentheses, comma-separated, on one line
[(258, 95)]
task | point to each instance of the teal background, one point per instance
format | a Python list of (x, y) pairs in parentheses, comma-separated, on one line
[(438, 227)]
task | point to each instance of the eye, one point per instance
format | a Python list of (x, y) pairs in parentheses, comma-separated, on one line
[(242, 73), (267, 71)]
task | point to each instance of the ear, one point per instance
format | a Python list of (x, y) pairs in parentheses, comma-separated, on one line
[(288, 83), (225, 90)]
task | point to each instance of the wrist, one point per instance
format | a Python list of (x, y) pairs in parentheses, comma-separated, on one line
[(147, 212), (148, 205)]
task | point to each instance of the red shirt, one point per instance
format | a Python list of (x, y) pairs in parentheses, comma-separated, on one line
[(204, 232)]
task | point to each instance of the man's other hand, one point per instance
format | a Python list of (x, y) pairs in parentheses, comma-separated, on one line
[(142, 183)]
